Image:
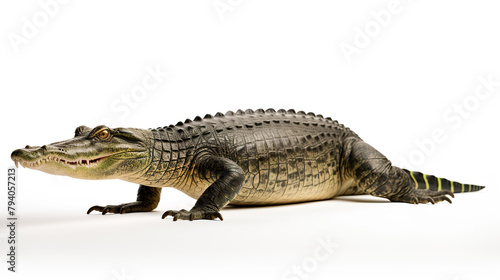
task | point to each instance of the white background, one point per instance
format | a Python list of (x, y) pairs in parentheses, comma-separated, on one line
[(78, 66)]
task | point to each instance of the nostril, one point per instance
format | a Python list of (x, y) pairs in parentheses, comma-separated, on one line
[(16, 154), (31, 147)]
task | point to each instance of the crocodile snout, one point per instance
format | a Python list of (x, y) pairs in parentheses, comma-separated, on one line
[(28, 154)]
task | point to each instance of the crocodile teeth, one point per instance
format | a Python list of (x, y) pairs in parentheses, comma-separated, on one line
[(53, 158)]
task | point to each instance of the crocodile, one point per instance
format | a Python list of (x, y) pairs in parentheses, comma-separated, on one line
[(261, 157)]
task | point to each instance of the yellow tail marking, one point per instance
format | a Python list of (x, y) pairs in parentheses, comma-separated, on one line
[(452, 189), (426, 182), (414, 180), (463, 188), (439, 184), (470, 187)]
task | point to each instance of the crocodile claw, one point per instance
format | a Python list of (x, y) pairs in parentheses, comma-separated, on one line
[(107, 209), (193, 214), (137, 206), (424, 196), (95, 208)]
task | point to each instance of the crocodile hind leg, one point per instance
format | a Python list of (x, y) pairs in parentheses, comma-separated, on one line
[(374, 174), (226, 178), (147, 200)]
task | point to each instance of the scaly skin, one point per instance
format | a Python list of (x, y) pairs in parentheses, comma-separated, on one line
[(242, 158)]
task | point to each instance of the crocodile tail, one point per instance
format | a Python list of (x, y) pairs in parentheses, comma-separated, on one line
[(433, 183)]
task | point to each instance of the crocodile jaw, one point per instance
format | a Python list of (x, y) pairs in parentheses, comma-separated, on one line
[(51, 159), (59, 163)]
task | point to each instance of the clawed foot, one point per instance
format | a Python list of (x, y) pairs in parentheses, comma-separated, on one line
[(424, 196), (193, 214), (137, 206)]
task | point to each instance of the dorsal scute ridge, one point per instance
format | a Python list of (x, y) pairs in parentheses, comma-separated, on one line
[(309, 118)]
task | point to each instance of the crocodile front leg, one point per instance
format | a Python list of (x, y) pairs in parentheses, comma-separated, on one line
[(147, 200), (227, 178)]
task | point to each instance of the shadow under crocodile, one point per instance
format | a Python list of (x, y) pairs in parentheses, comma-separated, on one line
[(350, 198)]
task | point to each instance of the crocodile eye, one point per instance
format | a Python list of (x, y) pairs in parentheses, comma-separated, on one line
[(104, 135)]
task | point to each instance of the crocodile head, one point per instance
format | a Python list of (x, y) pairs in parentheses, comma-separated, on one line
[(99, 153)]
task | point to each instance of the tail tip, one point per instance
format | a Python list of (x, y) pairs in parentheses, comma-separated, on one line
[(475, 188)]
